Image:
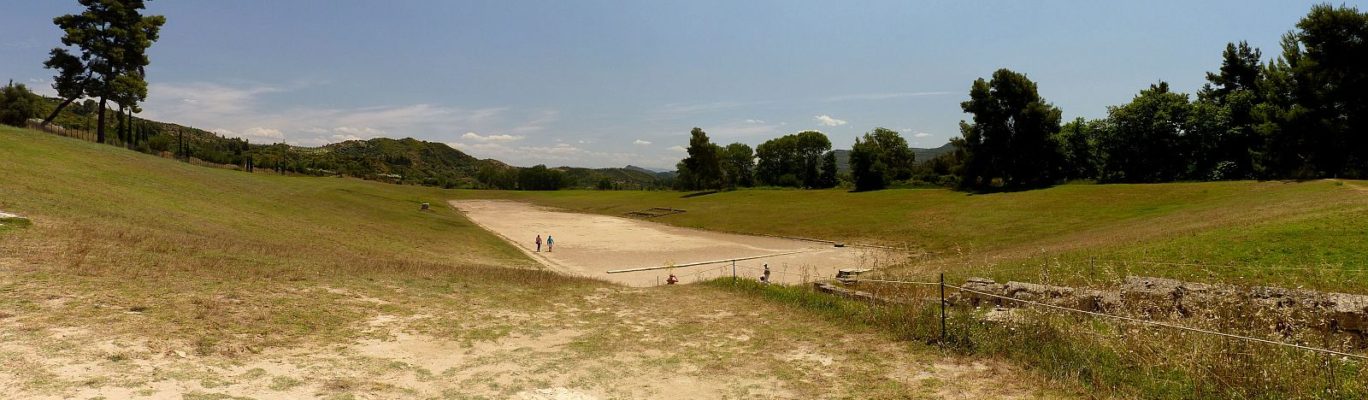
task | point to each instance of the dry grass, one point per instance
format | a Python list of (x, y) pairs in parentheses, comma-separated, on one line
[(147, 277)]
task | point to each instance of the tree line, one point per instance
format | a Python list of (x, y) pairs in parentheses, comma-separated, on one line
[(1301, 115), (800, 160)]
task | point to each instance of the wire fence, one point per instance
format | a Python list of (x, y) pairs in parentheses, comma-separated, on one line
[(961, 289), (752, 271), (1217, 353), (1220, 360)]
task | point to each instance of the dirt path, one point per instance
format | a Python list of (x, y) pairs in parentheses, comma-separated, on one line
[(591, 245), (563, 343)]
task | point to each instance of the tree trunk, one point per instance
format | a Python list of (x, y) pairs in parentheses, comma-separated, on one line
[(128, 128), (100, 124), (57, 110), (119, 126)]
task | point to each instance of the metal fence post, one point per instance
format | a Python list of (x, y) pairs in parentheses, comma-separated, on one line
[(942, 306)]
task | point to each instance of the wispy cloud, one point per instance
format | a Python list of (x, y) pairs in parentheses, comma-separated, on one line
[(827, 120), (882, 96), (559, 154), (921, 135), (247, 111), (681, 110), (640, 142), (490, 138), (743, 129)]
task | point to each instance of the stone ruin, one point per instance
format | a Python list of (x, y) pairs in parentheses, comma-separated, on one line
[(1286, 310)]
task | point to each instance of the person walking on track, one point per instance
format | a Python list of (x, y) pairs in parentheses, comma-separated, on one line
[(550, 243), (538, 243)]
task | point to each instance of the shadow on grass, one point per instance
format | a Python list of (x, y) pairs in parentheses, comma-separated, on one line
[(697, 194)]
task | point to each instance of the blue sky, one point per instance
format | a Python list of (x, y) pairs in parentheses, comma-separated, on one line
[(610, 83)]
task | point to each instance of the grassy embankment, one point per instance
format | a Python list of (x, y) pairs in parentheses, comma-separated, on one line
[(1309, 233), (171, 238), (142, 276)]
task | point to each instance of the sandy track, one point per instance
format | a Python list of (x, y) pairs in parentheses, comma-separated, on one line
[(591, 245)]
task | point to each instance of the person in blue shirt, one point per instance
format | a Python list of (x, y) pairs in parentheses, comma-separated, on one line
[(550, 243)]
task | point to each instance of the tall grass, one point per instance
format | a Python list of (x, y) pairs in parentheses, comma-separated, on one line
[(1110, 357)]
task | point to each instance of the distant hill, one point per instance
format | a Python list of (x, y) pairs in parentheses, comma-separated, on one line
[(408, 160), (661, 174), (922, 155), (630, 177)]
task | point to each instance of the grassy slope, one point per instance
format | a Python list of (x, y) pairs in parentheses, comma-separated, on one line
[(156, 278), (1254, 225), (130, 230)]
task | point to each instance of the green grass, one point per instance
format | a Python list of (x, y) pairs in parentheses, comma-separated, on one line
[(13, 223), (216, 258), (1319, 224)]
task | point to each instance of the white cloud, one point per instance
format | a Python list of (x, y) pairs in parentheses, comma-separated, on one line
[(755, 121), (678, 149), (827, 120), (640, 142), (490, 138), (256, 133), (263, 133), (921, 135), (554, 152)]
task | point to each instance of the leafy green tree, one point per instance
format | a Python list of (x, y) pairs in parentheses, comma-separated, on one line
[(540, 178), (1144, 142), (738, 165), (1011, 140), (113, 37), (1223, 140), (70, 80), (946, 168), (1314, 119), (1215, 149), (703, 166), (828, 178), (792, 160), (810, 146), (879, 158), (17, 104), (1077, 141), (497, 177), (777, 158)]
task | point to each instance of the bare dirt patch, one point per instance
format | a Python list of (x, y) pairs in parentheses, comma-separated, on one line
[(682, 342), (591, 245)]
